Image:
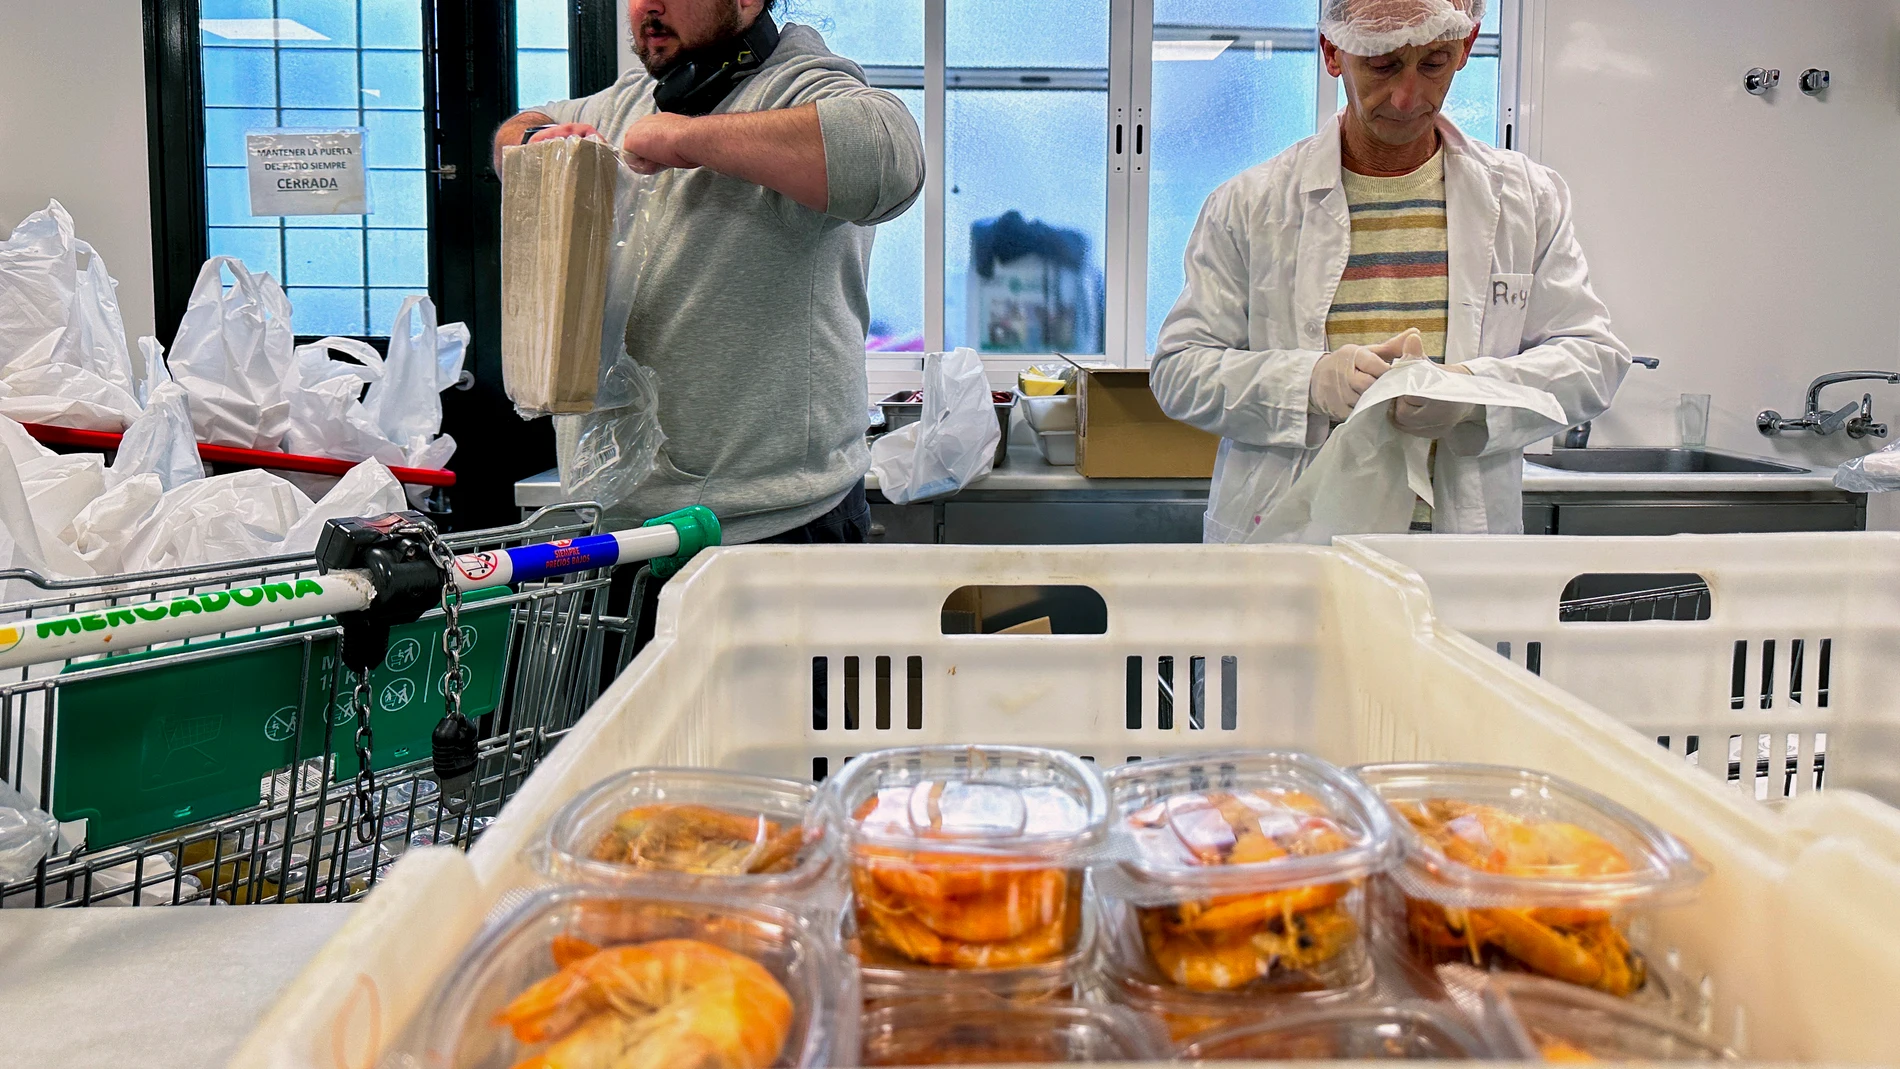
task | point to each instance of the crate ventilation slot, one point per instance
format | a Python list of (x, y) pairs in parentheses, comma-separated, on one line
[(1180, 692), (1755, 683), (878, 675), (1765, 764)]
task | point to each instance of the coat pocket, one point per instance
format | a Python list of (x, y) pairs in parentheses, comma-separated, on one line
[(1506, 305)]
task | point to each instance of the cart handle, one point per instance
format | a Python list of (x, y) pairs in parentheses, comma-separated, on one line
[(668, 541)]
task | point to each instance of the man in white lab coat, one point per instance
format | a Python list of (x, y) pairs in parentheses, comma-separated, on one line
[(1307, 275)]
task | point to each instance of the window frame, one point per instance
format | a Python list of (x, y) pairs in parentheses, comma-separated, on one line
[(1130, 88)]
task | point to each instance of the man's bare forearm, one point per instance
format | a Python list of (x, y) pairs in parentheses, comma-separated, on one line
[(511, 131), (782, 150)]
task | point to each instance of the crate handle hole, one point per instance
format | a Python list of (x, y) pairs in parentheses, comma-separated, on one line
[(1679, 597), (1025, 610)]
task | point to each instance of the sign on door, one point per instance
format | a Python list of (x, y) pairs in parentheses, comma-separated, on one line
[(306, 172)]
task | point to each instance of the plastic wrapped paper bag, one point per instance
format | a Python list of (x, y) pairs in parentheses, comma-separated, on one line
[(26, 834), (1366, 478), (953, 445), (606, 454), (63, 355), (233, 354), (1875, 473), (558, 221)]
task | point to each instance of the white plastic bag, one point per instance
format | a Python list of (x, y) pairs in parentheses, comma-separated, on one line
[(161, 442), (406, 402), (63, 357), (1875, 473), (605, 455), (239, 516), (327, 414), (1366, 478), (233, 354), (953, 445), (26, 834), (369, 489), (99, 534)]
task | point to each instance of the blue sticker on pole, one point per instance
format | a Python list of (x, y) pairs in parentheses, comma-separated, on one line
[(564, 556)]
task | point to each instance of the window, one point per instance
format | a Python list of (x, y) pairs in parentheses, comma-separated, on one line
[(321, 64), (1040, 228), (541, 66)]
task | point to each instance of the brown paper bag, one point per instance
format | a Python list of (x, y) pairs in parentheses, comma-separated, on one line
[(557, 230)]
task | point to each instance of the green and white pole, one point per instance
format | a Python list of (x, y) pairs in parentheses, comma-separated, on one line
[(668, 542)]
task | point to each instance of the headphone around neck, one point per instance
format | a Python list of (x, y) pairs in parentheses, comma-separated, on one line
[(703, 77)]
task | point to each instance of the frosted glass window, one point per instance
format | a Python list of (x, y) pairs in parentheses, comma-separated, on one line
[(541, 54), (1027, 33), (1213, 119), (1040, 154), (897, 271), (321, 64), (889, 33), (1473, 102)]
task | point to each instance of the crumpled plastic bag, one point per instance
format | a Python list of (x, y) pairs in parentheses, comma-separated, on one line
[(26, 834), (605, 455), (1366, 478), (246, 515), (953, 445), (382, 408), (161, 442), (1876, 473), (368, 489), (63, 355), (233, 354)]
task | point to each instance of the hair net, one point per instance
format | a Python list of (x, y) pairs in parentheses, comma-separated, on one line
[(1379, 27)]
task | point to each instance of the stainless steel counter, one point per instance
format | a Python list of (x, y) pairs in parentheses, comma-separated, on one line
[(1027, 474), (152, 987)]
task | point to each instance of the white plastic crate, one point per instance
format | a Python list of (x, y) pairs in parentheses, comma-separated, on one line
[(1314, 649), (1788, 685)]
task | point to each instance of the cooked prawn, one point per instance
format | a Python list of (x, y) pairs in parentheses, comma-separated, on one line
[(1239, 911), (698, 839), (891, 920), (669, 1003)]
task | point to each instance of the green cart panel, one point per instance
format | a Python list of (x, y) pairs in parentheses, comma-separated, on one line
[(153, 749)]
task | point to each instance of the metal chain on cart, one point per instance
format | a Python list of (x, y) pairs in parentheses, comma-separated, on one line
[(365, 778), (455, 677)]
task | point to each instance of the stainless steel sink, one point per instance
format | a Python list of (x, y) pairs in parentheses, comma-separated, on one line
[(1661, 462)]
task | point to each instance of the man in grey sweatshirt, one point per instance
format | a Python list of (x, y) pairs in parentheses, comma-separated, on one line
[(751, 306)]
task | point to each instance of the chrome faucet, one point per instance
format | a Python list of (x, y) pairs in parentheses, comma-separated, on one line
[(1578, 437), (1856, 419)]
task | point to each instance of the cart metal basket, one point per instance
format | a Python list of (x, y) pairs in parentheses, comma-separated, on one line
[(219, 770)]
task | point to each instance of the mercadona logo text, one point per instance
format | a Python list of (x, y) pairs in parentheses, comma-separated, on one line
[(217, 601)]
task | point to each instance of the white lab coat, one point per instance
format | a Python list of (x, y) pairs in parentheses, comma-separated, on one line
[(1236, 355)]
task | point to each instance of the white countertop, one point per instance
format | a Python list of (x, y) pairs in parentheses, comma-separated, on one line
[(1027, 473), (152, 987)]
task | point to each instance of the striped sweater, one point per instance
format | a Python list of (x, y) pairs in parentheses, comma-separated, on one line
[(1398, 275)]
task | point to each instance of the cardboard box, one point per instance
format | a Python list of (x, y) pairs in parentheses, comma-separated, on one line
[(1121, 433)]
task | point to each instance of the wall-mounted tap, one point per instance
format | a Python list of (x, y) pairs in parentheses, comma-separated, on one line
[(1856, 419), (1578, 437)]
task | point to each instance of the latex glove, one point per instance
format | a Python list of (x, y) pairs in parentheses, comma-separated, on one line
[(1343, 375), (1425, 418)]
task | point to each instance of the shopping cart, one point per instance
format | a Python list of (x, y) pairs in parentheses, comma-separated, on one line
[(214, 756)]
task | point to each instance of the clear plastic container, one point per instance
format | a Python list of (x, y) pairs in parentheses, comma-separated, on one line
[(1410, 1030), (666, 981), (662, 830), (1128, 977), (1246, 871), (967, 859), (1537, 1018), (1518, 870), (980, 1030)]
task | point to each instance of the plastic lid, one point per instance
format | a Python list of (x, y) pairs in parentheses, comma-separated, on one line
[(690, 829), (764, 968), (997, 804), (1405, 1030), (1486, 835), (1563, 1022), (1255, 821), (983, 1030)]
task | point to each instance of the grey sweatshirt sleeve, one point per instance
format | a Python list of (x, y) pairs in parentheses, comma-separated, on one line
[(874, 153)]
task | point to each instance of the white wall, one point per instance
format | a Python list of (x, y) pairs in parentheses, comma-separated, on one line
[(1749, 243), (72, 128)]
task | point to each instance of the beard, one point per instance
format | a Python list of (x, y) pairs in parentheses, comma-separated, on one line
[(659, 61)]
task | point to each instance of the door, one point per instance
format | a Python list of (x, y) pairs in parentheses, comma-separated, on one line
[(424, 83)]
